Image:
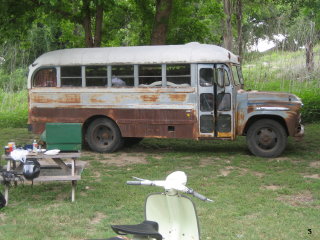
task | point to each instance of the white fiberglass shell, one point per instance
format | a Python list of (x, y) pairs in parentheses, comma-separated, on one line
[(176, 216), (188, 53)]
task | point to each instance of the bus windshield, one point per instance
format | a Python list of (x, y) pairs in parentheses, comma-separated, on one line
[(237, 75)]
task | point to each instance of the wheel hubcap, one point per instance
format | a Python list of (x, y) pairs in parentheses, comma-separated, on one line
[(103, 135), (266, 138)]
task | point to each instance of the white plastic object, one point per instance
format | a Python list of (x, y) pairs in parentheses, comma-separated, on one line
[(52, 152), (19, 155)]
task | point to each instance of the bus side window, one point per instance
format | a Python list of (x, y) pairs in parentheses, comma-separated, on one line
[(96, 76), (46, 77), (178, 75), (71, 76), (122, 76), (150, 75)]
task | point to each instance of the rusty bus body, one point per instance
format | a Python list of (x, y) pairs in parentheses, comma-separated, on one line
[(180, 91)]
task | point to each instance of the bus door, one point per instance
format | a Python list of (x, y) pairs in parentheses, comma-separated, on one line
[(225, 94), (206, 104), (215, 101)]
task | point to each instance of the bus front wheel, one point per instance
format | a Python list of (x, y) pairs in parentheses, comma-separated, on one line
[(266, 138), (103, 135)]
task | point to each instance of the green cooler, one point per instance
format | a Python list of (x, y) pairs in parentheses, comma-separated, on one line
[(63, 136)]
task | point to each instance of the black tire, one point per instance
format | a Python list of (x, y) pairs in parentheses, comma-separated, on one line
[(130, 141), (266, 138), (104, 136)]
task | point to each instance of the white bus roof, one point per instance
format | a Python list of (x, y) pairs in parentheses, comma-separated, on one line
[(188, 53)]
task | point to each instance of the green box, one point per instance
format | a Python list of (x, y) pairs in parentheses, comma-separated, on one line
[(63, 136)]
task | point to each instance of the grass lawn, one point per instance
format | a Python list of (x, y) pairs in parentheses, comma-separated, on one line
[(255, 198)]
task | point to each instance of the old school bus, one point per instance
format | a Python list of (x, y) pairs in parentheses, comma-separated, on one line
[(192, 91)]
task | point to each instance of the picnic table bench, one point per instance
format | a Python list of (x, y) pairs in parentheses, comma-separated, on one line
[(60, 167)]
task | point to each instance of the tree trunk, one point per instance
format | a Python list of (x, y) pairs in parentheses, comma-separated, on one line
[(239, 26), (309, 56), (227, 36), (87, 24), (160, 26), (99, 21), (90, 40)]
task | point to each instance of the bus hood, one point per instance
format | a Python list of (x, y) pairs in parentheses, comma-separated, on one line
[(272, 97)]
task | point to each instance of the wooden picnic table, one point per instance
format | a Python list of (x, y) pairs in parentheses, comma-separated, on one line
[(60, 167)]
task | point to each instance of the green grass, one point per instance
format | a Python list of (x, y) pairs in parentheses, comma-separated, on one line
[(255, 198)]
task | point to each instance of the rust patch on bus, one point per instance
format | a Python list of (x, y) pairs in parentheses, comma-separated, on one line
[(95, 98), (41, 99), (177, 97), (150, 98), (159, 123), (69, 98), (66, 98), (240, 122)]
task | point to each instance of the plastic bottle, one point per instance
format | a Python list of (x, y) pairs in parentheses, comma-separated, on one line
[(34, 146)]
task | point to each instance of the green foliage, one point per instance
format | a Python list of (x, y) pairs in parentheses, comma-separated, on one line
[(13, 109), (198, 21), (286, 72), (12, 82), (311, 108)]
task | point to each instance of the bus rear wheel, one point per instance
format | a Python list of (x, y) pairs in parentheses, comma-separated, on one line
[(104, 136), (266, 138)]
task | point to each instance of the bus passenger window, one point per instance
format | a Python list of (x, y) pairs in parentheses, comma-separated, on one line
[(46, 77), (122, 76), (150, 76), (71, 76), (96, 76), (178, 75)]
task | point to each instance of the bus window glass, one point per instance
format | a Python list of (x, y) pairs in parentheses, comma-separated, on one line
[(240, 74), (71, 76), (206, 124), (96, 76), (150, 76), (235, 75), (122, 76), (222, 78), (206, 77), (179, 75), (206, 102), (46, 77)]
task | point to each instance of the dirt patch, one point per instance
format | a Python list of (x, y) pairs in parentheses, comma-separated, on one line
[(2, 216), (242, 171), (125, 159), (208, 161), (62, 196), (279, 159), (313, 176), (315, 164), (226, 171), (258, 174), (271, 187), (97, 218), (300, 199)]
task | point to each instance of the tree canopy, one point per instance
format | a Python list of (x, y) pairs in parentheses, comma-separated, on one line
[(37, 26)]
